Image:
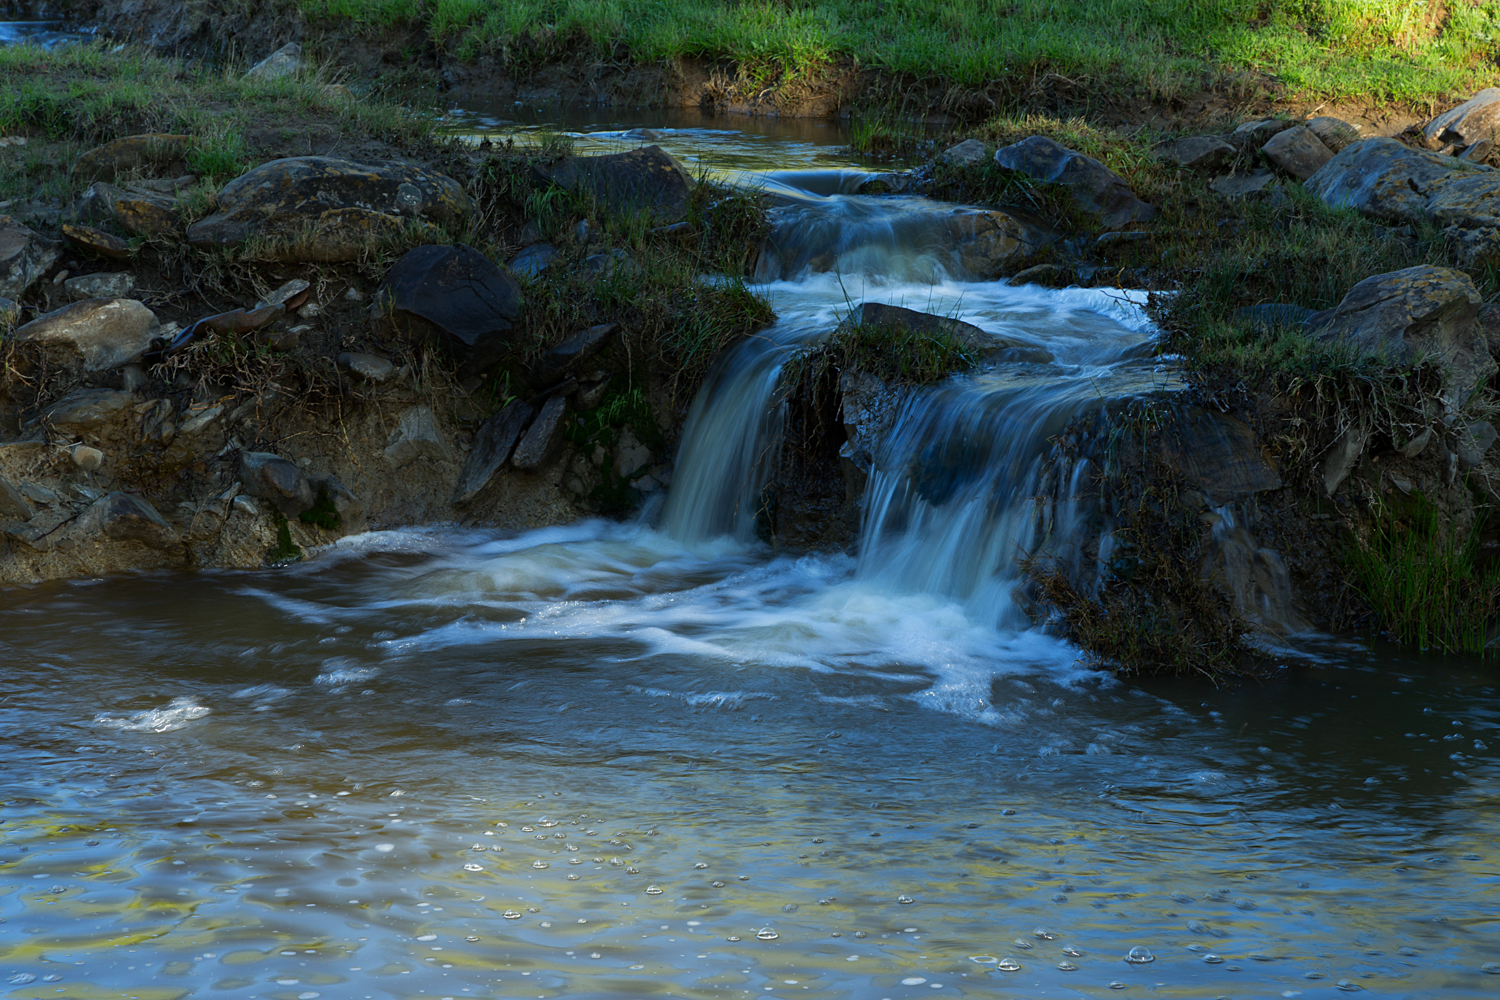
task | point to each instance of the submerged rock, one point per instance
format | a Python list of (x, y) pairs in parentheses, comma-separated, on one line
[(1474, 119), (456, 296), (156, 151), (1096, 188), (277, 481), (493, 444), (1297, 151), (25, 256), (646, 180), (101, 333), (124, 517)]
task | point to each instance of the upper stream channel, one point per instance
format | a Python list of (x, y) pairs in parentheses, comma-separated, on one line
[(657, 758)]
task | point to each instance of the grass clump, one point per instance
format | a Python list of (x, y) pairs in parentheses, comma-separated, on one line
[(901, 355)]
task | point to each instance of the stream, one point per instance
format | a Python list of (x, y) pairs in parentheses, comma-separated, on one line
[(659, 759)]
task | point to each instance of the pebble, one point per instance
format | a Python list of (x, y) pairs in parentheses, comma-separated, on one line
[(86, 458)]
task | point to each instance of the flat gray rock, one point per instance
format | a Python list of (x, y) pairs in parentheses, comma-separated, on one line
[(87, 410), (969, 153), (277, 481), (1297, 151), (25, 256), (1243, 185), (103, 333), (493, 444), (104, 285), (1474, 119), (542, 437), (370, 367), (1198, 152), (285, 61), (125, 517)]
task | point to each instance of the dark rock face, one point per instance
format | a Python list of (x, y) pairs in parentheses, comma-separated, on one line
[(276, 480), (1095, 187), (1217, 454), (124, 517), (567, 355), (456, 296), (24, 257), (331, 208), (493, 444), (642, 180), (541, 439)]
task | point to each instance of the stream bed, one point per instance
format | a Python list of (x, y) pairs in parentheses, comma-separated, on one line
[(658, 759)]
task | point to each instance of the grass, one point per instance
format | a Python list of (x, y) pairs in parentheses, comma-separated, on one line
[(1386, 49), (1420, 574)]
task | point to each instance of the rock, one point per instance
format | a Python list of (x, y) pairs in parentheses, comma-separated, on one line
[(156, 151), (370, 367), (1254, 135), (645, 180), (1197, 152), (346, 506), (1297, 151), (1046, 275), (1217, 454), (86, 410), (456, 296), (570, 353), (95, 242), (895, 182), (24, 257), (986, 241), (1335, 133), (277, 481), (285, 61), (1420, 312), (200, 435), (609, 263), (10, 311), (286, 293), (1346, 449), (493, 444), (418, 435), (542, 437), (1095, 187), (103, 285), (327, 209), (1474, 119), (86, 458), (969, 153), (104, 333), (1243, 185), (1474, 442), (1417, 444), (13, 506), (124, 517), (590, 392), (910, 322), (141, 213), (1383, 179), (1478, 152), (630, 455), (532, 261)]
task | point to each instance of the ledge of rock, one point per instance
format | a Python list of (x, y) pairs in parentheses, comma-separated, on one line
[(1096, 188), (643, 180), (100, 333), (454, 295), (154, 151), (124, 517), (25, 256)]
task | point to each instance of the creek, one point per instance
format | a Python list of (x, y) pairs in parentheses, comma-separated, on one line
[(659, 758)]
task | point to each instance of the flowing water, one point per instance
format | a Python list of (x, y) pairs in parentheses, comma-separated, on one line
[(659, 759)]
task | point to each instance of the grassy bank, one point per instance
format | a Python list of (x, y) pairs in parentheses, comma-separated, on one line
[(1387, 49)]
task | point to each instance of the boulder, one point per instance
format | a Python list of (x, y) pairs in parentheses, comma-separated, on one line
[(87, 410), (910, 322), (567, 355), (86, 458), (1197, 152), (95, 242), (455, 296), (1297, 151), (542, 437), (1474, 119), (1243, 185), (646, 180), (1421, 312), (327, 209), (969, 153), (13, 505), (147, 214), (1217, 454), (103, 285), (347, 507), (285, 61), (1046, 275), (418, 435), (157, 152), (102, 333), (277, 481), (1095, 187), (24, 257), (1335, 133), (124, 517), (1254, 135), (493, 444), (370, 367), (984, 242), (1383, 179)]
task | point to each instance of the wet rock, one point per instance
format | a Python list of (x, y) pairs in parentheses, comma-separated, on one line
[(1297, 151), (1419, 312), (13, 506), (156, 151), (1046, 275), (969, 153), (25, 256), (418, 435), (1218, 454), (1243, 185), (1335, 133), (277, 481), (910, 322), (455, 296), (1474, 119), (370, 367), (894, 182), (493, 444), (87, 410), (1384, 179), (985, 242), (645, 180), (124, 517), (326, 209), (567, 355), (1474, 442), (1254, 135), (542, 436), (104, 285), (102, 333), (347, 509), (532, 261), (86, 458), (285, 61), (1197, 152), (1095, 187), (95, 242)]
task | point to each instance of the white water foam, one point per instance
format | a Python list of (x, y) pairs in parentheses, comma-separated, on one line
[(176, 714)]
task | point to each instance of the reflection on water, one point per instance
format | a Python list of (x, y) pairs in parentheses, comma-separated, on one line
[(44, 33)]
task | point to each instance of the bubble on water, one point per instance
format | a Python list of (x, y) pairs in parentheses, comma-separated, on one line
[(385, 848), (595, 954), (1312, 975), (21, 978), (913, 981), (1182, 897), (905, 899), (1139, 956), (423, 937), (908, 930), (472, 938), (719, 885), (1072, 952), (632, 870), (701, 864), (732, 937), (1213, 959), (1043, 934), (1197, 927), (1116, 985), (817, 840), (512, 914), (575, 861), (479, 847), (1404, 950), (861, 934), (1493, 968), (1022, 943), (766, 934), (1349, 985), (637, 967), (472, 867), (527, 829), (744, 878), (1008, 965), (574, 878), (654, 890), (540, 864), (1067, 966), (984, 959)]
